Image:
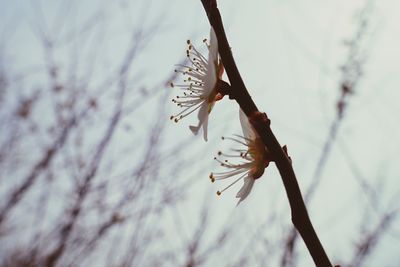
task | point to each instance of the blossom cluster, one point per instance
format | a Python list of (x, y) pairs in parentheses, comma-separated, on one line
[(200, 91)]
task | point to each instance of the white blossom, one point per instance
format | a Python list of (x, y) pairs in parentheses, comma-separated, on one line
[(251, 160), (200, 86)]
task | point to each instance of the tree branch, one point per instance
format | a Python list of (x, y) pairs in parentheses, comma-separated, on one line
[(300, 216)]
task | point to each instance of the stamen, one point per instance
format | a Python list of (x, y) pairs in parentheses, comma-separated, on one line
[(242, 137), (228, 174), (194, 94), (234, 182), (196, 105), (212, 178), (235, 140)]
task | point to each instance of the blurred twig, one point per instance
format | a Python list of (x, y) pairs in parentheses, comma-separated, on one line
[(370, 240), (351, 74)]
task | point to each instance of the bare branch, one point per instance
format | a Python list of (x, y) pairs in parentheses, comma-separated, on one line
[(239, 92)]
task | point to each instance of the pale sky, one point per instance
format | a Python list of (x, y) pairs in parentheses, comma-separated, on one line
[(289, 54)]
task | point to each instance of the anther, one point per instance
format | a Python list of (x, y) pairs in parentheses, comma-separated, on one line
[(219, 153), (188, 41), (218, 193), (172, 84)]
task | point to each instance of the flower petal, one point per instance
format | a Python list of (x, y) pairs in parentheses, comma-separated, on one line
[(205, 127), (203, 118), (210, 78), (247, 128), (213, 45), (246, 188)]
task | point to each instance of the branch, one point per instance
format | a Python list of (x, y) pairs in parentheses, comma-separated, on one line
[(370, 240), (37, 169), (300, 216)]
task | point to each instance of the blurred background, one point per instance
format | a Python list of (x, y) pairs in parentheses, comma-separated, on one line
[(93, 172)]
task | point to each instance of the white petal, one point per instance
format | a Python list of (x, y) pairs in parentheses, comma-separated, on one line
[(194, 129), (210, 79), (246, 188), (211, 75), (205, 127), (203, 118), (248, 130), (213, 45)]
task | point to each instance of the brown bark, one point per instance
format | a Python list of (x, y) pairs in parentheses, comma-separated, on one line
[(239, 92)]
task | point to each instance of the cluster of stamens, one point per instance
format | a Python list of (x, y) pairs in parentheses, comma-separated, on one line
[(240, 169), (193, 86)]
